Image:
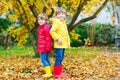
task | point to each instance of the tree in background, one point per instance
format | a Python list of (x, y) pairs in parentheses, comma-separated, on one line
[(115, 11), (4, 25), (26, 12)]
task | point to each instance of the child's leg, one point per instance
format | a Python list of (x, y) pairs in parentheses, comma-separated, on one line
[(59, 56), (47, 58), (63, 55), (58, 67), (44, 59)]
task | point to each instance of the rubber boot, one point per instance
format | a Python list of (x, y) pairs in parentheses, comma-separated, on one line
[(48, 71), (58, 72)]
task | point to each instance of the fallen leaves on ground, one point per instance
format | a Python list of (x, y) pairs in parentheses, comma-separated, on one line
[(103, 67)]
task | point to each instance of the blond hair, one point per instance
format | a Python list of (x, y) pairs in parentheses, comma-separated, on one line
[(43, 16), (59, 10)]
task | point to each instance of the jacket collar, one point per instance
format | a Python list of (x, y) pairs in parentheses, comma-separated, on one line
[(43, 24)]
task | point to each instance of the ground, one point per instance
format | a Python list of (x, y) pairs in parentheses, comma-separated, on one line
[(102, 66)]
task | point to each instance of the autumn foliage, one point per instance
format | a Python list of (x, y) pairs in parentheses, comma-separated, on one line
[(103, 67), (26, 12)]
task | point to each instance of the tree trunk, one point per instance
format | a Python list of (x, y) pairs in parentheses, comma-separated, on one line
[(6, 41), (71, 27), (2, 38), (27, 26)]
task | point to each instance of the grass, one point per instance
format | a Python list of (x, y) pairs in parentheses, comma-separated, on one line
[(13, 51), (83, 50), (86, 52)]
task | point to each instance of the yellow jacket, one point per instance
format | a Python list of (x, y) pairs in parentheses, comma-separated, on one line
[(59, 31)]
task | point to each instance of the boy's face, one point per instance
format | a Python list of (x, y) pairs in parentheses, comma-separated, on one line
[(61, 15), (41, 21)]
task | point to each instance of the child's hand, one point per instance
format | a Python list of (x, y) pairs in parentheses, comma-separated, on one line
[(59, 41)]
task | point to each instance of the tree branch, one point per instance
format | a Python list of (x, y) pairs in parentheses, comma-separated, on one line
[(88, 18), (33, 10), (79, 8), (59, 3), (50, 15), (28, 28)]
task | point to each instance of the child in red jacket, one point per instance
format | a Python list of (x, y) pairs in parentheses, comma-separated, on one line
[(44, 43)]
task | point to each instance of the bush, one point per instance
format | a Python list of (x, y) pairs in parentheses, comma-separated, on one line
[(4, 24), (103, 34), (82, 32)]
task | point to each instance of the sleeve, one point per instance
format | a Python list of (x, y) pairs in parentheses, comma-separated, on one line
[(48, 39), (53, 31)]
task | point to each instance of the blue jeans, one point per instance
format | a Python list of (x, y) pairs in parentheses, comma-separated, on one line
[(59, 56), (45, 59)]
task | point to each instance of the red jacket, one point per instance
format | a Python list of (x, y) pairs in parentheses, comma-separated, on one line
[(44, 39)]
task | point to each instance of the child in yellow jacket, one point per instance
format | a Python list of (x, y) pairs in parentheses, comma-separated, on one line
[(61, 39)]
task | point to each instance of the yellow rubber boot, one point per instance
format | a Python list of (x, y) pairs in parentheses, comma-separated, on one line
[(48, 71)]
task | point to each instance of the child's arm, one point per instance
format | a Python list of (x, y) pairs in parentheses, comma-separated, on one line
[(53, 30)]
